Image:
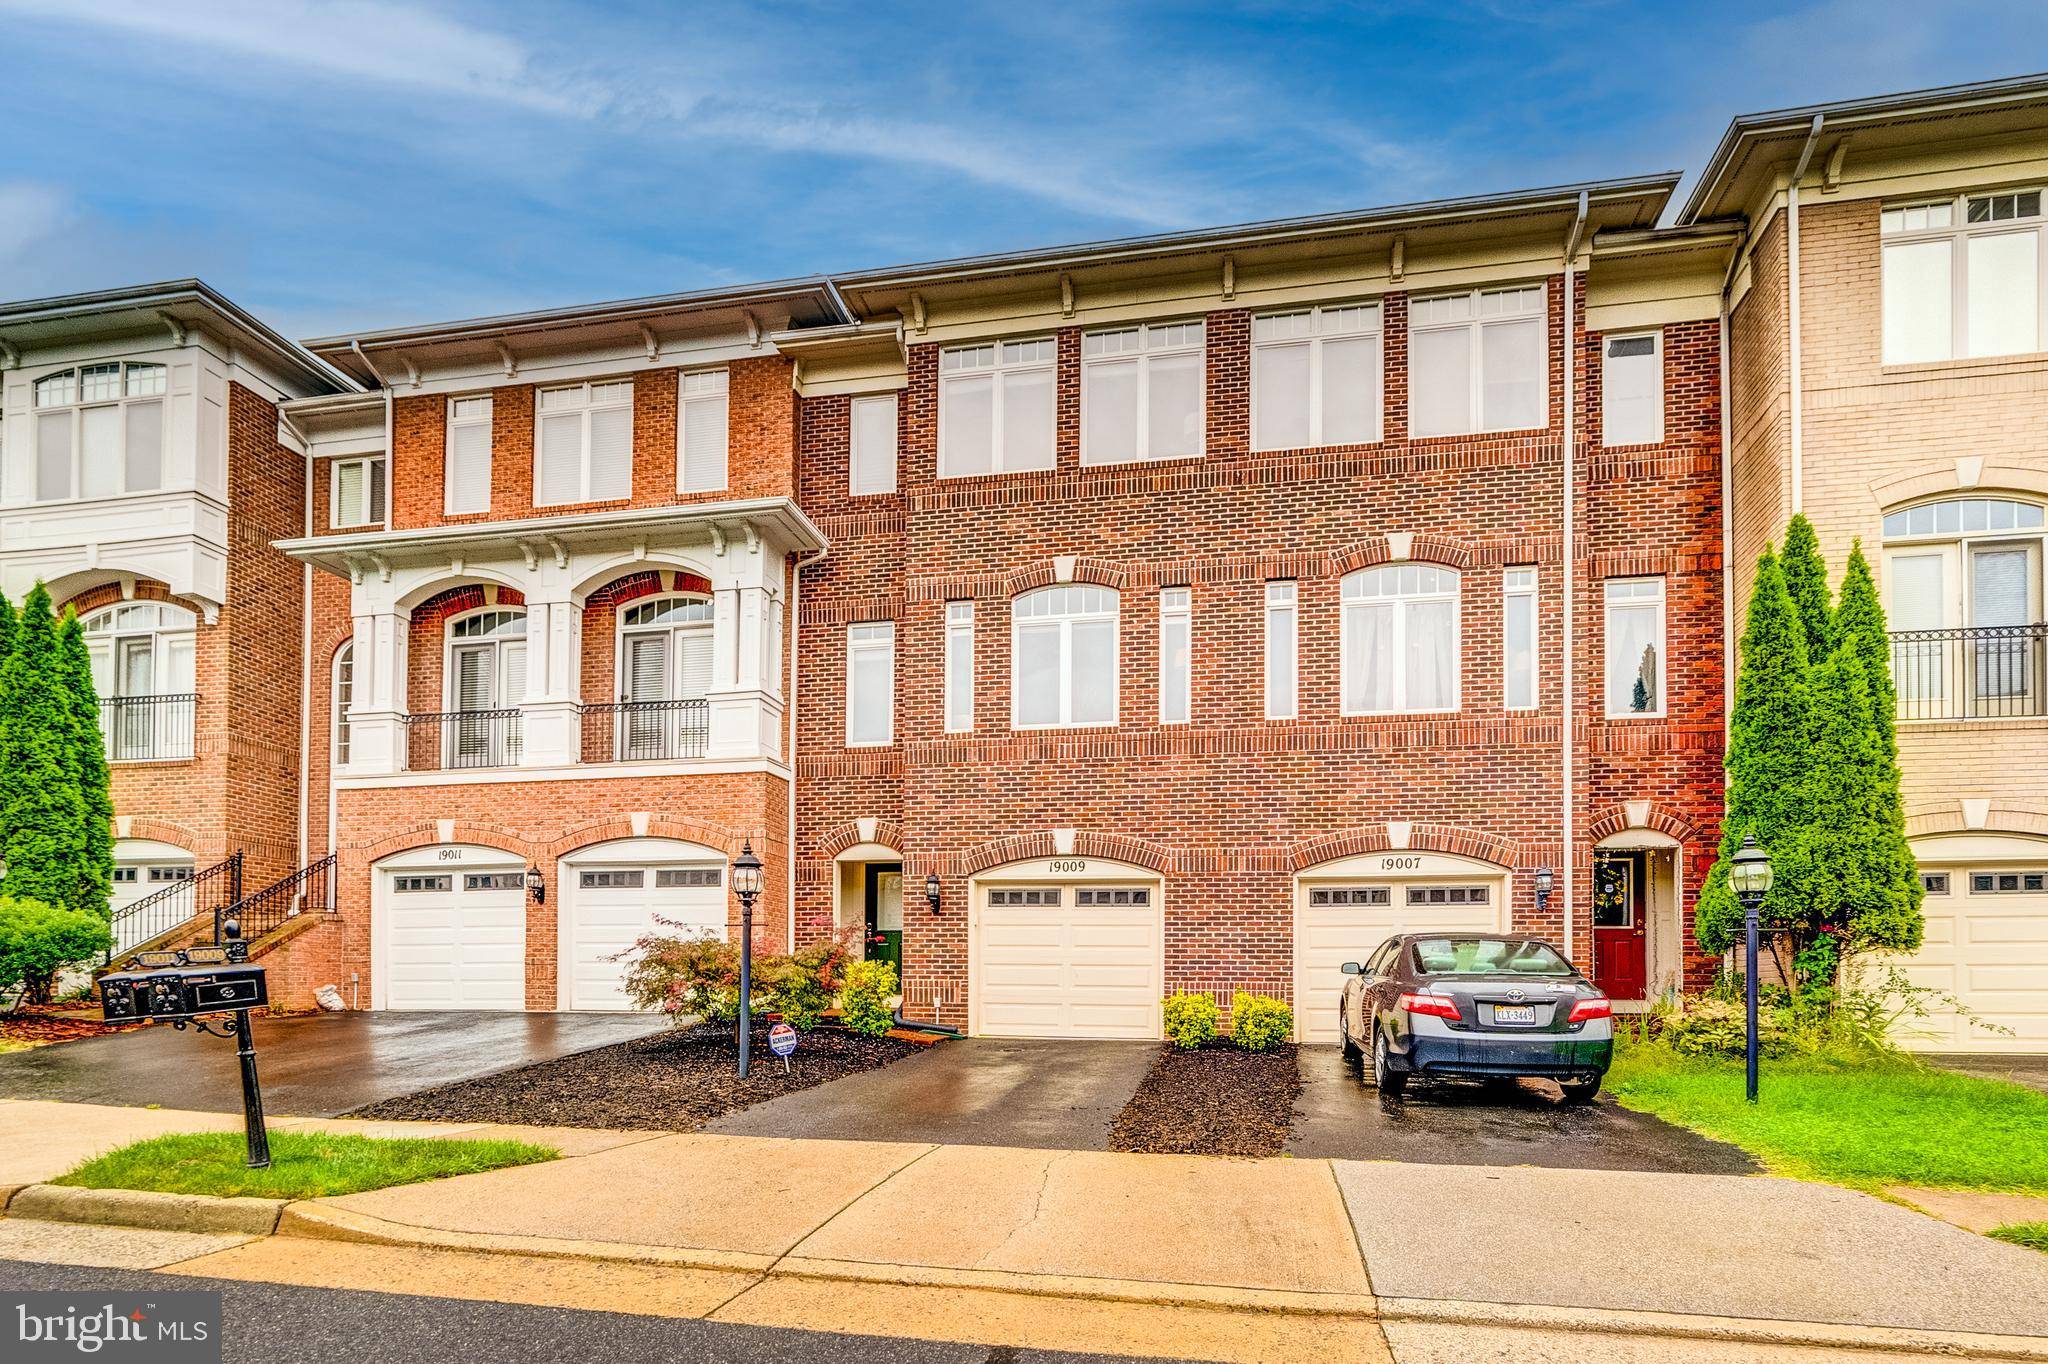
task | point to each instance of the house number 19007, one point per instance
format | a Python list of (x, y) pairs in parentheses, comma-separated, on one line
[(1400, 864)]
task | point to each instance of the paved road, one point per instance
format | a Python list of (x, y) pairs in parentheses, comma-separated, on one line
[(2021, 1070), (318, 1065), (1339, 1116), (266, 1324)]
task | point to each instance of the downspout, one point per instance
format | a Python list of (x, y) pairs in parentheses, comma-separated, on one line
[(305, 652), (1728, 504), (390, 421), (1792, 314), (1568, 698), (796, 601)]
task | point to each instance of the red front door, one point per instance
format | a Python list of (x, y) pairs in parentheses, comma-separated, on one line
[(1620, 949)]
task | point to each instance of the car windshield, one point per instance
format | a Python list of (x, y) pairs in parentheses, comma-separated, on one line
[(1488, 957)]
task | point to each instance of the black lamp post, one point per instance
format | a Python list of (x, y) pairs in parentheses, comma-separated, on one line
[(746, 883), (1750, 875)]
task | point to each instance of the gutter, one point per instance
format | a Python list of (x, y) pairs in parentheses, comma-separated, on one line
[(1567, 701), (1798, 395)]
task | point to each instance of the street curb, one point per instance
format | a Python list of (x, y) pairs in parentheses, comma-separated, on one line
[(1725, 1330), (139, 1208)]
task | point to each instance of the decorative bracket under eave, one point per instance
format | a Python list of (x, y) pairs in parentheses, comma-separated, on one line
[(917, 314), (173, 326), (1066, 295), (505, 357), (1397, 260), (1229, 278)]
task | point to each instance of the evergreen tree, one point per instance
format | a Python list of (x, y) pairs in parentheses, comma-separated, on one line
[(1860, 624), (6, 627), (1769, 739), (1806, 579), (42, 812), (88, 764)]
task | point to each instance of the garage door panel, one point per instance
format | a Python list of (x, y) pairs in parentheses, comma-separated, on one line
[(606, 920), (1067, 970), (1328, 935), (1990, 951), (458, 948)]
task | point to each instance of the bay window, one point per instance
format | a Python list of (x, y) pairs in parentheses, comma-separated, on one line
[(584, 446), (1478, 361), (1141, 393), (466, 472), (1962, 277), (996, 407), (1635, 647), (99, 431), (701, 432), (1063, 657), (1316, 377), (871, 684), (1400, 639)]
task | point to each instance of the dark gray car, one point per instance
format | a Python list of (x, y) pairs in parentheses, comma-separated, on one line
[(1476, 1004)]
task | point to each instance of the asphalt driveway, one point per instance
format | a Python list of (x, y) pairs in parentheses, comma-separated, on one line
[(2031, 1071), (317, 1065)]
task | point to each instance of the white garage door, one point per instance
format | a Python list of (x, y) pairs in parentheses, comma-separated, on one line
[(455, 939), (1340, 921), (613, 905), (1987, 945), (1068, 961)]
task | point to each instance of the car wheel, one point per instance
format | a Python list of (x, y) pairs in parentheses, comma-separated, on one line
[(1579, 1091), (1344, 1033), (1390, 1081)]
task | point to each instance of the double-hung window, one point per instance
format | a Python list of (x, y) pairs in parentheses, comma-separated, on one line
[(1063, 657), (356, 495), (871, 454), (99, 431), (1963, 277), (585, 448), (701, 431), (959, 667), (1316, 377), (871, 684), (1518, 639), (1141, 393), (1400, 639), (1175, 655), (1477, 361), (996, 406), (1632, 389), (1635, 646), (1282, 635), (466, 467)]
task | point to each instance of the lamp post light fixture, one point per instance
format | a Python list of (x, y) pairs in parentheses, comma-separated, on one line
[(931, 890), (1545, 879), (746, 883), (1749, 874)]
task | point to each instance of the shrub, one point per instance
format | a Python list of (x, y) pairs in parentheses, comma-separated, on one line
[(1718, 1027), (1190, 1020), (802, 984), (864, 1000), (1259, 1022), (38, 940), (684, 976)]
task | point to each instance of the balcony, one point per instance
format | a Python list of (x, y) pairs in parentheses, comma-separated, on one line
[(645, 731), (148, 728), (1991, 672), (458, 740)]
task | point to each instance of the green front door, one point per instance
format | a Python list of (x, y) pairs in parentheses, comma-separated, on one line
[(885, 914)]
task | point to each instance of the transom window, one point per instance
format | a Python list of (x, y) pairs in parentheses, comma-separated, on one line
[(99, 431), (1106, 897), (1964, 562), (494, 880), (2008, 882), (1478, 362), (1316, 377), (584, 446), (675, 878), (1141, 393), (1962, 516), (1400, 639), (1449, 895), (416, 885), (996, 406), (1962, 277), (1063, 651), (620, 879)]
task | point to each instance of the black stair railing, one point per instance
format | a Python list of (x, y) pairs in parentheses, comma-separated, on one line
[(310, 889), (202, 893)]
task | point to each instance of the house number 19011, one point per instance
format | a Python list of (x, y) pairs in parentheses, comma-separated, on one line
[(1069, 864)]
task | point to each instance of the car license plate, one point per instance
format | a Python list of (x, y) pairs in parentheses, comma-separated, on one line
[(1514, 1013)]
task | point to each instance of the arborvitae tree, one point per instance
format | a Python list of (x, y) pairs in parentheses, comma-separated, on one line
[(88, 764), (42, 812), (1806, 579), (6, 627), (1860, 624), (1769, 738)]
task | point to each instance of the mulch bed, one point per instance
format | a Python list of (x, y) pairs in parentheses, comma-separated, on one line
[(672, 1082), (1217, 1101), (40, 1026)]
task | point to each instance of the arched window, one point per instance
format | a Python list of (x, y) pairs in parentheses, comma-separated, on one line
[(665, 649), (1964, 577), (487, 659), (142, 669), (99, 431), (1400, 639), (344, 697), (1063, 657)]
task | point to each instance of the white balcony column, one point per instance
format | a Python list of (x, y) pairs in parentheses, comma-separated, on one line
[(551, 720), (376, 716), (745, 705)]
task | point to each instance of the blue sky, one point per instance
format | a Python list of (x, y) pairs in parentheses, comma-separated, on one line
[(377, 162)]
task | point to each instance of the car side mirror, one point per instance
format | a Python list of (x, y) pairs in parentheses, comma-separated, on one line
[(1352, 968)]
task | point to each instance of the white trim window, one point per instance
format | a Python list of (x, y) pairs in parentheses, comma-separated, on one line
[(1479, 361), (959, 667), (1400, 639), (1632, 389), (99, 431), (1518, 639), (1176, 661), (664, 649), (583, 444), (871, 446), (356, 493), (1963, 277), (996, 407), (344, 697), (871, 684), (466, 464), (1142, 393), (144, 672), (1316, 377), (1282, 647), (1635, 647), (1063, 657), (703, 435)]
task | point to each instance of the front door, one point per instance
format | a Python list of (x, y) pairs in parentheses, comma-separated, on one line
[(1620, 947), (885, 914)]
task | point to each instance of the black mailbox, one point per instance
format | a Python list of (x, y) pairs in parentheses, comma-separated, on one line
[(183, 992)]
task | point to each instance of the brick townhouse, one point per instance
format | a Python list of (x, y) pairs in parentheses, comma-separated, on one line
[(1069, 626)]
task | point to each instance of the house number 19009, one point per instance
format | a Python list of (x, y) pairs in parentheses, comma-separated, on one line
[(1069, 864)]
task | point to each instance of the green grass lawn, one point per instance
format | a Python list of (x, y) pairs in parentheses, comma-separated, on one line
[(303, 1164), (2032, 1235), (1865, 1125)]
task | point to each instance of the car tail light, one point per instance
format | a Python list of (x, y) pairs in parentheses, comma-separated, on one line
[(1436, 1006), (1586, 1010)]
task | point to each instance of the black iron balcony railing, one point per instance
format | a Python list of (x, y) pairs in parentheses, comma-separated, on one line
[(450, 739), (308, 890), (1973, 673), (180, 902), (645, 731), (148, 728)]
